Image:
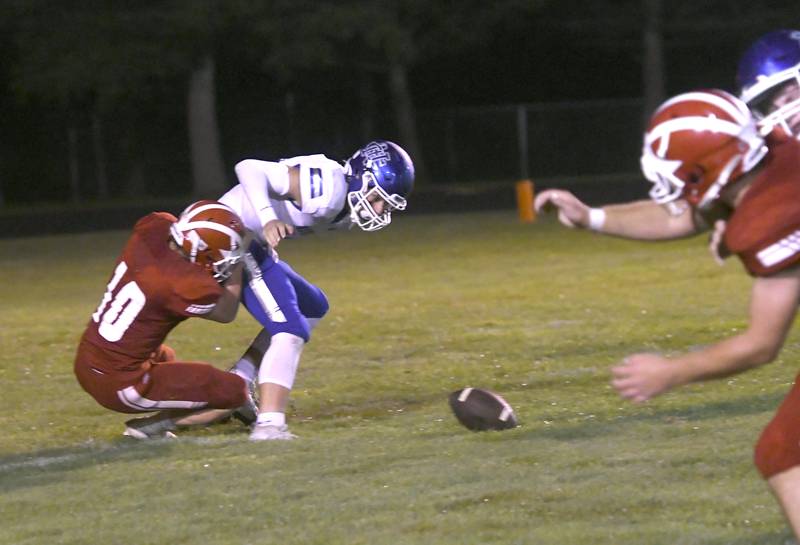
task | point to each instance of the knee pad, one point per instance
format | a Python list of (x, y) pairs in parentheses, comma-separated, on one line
[(279, 364)]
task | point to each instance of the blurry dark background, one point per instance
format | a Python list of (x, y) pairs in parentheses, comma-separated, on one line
[(136, 101)]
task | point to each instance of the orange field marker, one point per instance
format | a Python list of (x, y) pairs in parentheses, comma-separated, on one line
[(524, 190)]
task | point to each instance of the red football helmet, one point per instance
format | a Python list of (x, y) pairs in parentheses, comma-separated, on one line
[(695, 144), (211, 235)]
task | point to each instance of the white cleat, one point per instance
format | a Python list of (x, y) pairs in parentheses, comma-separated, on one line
[(270, 432)]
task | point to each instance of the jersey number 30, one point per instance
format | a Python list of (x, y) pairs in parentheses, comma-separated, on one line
[(115, 318)]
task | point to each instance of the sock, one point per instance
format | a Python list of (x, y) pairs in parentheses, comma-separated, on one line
[(245, 369), (271, 419), (247, 366)]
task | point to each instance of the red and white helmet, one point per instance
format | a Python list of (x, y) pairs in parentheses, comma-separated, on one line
[(211, 235), (695, 144)]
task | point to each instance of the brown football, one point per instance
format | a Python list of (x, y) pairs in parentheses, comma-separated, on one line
[(481, 410)]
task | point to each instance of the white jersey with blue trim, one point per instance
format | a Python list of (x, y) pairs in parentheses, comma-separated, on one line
[(262, 194), (323, 190)]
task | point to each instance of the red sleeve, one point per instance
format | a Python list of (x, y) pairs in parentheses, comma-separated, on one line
[(196, 294)]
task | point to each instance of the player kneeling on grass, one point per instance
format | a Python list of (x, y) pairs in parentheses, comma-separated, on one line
[(169, 270), (707, 161)]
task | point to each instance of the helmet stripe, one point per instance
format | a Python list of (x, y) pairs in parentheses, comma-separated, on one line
[(692, 124), (190, 225), (189, 214), (730, 105)]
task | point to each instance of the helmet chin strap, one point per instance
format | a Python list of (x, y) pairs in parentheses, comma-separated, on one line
[(722, 180)]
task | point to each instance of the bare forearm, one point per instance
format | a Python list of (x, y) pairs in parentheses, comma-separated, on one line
[(728, 357), (645, 220)]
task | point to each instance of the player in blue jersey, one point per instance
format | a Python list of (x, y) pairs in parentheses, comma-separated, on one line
[(275, 200)]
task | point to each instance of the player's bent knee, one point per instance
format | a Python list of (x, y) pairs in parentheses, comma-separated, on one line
[(298, 327), (289, 341), (313, 302), (321, 306)]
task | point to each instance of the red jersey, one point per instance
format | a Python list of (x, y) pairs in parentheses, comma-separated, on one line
[(152, 290), (764, 229)]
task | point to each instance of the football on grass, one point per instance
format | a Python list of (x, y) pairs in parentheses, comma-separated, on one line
[(481, 410)]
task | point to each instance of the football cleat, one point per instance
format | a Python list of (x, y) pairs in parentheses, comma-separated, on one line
[(270, 432), (481, 410), (247, 413), (150, 427)]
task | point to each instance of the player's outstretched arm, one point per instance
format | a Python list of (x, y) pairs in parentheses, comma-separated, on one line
[(773, 304), (640, 220)]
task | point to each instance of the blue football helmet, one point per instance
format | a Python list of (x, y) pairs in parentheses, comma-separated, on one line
[(381, 170), (765, 70)]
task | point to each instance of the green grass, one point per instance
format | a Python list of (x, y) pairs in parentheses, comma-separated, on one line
[(434, 303)]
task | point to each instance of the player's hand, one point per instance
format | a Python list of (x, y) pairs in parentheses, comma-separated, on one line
[(642, 376), (571, 210), (275, 231), (716, 242)]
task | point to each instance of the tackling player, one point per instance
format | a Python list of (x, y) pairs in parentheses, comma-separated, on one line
[(169, 270), (274, 199), (706, 159)]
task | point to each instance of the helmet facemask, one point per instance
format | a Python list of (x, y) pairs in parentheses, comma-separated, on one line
[(222, 269), (762, 97), (362, 212), (667, 187), (380, 175)]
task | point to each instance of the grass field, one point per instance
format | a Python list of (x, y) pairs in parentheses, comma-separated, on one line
[(535, 312)]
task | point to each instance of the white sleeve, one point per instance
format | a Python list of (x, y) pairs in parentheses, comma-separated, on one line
[(262, 181)]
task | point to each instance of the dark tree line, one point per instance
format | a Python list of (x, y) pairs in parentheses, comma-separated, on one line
[(100, 57), (98, 62)]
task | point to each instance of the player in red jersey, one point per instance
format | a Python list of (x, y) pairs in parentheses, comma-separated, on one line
[(708, 163), (169, 270)]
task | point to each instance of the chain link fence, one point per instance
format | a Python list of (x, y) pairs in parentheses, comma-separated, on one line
[(539, 141)]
